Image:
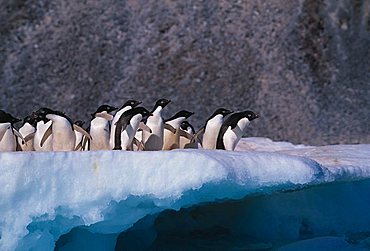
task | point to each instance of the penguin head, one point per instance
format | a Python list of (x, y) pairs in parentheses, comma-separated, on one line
[(249, 115), (161, 102), (8, 118), (221, 111), (143, 111), (181, 114), (30, 119), (185, 125), (39, 118), (104, 108), (42, 113), (131, 102)]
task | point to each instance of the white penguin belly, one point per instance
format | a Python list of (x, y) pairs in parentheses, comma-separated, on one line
[(183, 142), (26, 130), (211, 132), (127, 136), (99, 132), (63, 136), (40, 131), (171, 140), (232, 137), (210, 136), (8, 142), (154, 141)]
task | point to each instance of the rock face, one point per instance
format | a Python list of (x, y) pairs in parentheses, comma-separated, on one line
[(303, 66)]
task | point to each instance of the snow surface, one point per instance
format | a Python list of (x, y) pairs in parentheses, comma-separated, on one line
[(45, 195)]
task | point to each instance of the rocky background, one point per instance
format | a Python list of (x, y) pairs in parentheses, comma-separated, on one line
[(303, 66)]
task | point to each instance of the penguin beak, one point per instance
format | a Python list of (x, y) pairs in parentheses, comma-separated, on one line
[(255, 116), (15, 120), (190, 114)]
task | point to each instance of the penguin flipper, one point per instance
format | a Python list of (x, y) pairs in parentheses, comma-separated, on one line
[(170, 128), (220, 139), (46, 135), (185, 134), (139, 144), (196, 135), (18, 147), (121, 125), (85, 140), (78, 146), (81, 130), (3, 133), (144, 127), (16, 133), (29, 137)]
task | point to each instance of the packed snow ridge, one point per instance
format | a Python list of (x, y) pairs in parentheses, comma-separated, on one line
[(39, 186)]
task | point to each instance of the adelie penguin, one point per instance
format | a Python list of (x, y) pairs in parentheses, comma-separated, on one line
[(126, 128), (99, 128), (28, 131), (212, 128), (8, 134), (61, 130), (129, 104), (233, 129), (172, 130), (186, 136), (154, 141)]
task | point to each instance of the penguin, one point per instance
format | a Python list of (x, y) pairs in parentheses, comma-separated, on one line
[(154, 141), (233, 129), (129, 104), (8, 134), (27, 130), (171, 137), (126, 127), (80, 142), (186, 135), (99, 128), (61, 130), (212, 128)]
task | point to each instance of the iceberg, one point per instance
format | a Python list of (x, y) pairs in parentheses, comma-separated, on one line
[(102, 200)]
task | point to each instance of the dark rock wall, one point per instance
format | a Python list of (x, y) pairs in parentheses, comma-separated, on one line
[(303, 66)]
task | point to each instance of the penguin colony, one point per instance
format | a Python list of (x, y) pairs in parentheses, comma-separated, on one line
[(131, 127)]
